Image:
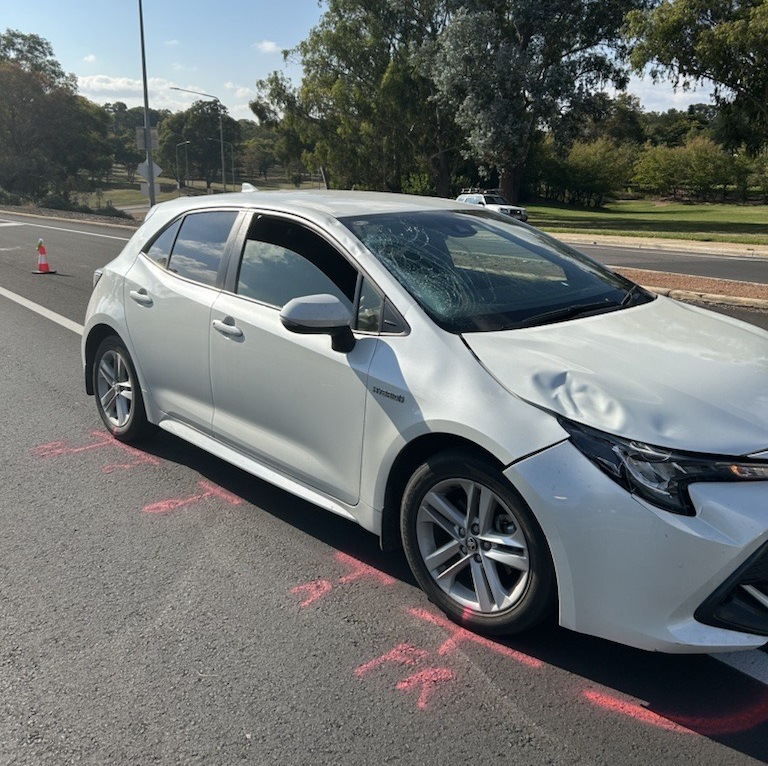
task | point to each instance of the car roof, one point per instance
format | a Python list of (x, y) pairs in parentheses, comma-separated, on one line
[(336, 204)]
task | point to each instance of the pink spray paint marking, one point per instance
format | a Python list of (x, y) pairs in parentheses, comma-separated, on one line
[(56, 449), (407, 655), (710, 726), (427, 679), (637, 712), (360, 570), (314, 590), (209, 490), (402, 654), (459, 635)]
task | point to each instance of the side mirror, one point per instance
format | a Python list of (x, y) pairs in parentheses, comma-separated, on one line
[(320, 315)]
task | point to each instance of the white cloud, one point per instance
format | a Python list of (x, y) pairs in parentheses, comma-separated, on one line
[(103, 84), (661, 96), (89, 59), (267, 46), (172, 42), (239, 91)]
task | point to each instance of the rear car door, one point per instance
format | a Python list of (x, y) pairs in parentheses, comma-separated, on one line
[(169, 292), (289, 400)]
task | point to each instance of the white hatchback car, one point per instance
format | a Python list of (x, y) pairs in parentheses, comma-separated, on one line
[(542, 436)]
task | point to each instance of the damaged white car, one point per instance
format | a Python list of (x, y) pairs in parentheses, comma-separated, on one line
[(543, 437)]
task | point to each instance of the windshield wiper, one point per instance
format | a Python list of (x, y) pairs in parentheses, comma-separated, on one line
[(634, 294), (568, 312)]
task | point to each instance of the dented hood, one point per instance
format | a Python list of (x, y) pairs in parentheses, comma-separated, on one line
[(663, 373)]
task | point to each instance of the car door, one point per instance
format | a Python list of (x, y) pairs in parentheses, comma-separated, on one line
[(169, 292), (289, 400)]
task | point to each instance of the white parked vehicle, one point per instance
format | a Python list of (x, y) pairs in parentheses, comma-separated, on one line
[(492, 200), (542, 436)]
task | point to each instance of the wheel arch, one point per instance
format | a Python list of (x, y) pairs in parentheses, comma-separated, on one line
[(95, 336), (411, 457)]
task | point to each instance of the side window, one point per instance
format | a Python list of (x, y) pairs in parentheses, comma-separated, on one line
[(282, 260), (160, 250), (200, 245), (370, 309)]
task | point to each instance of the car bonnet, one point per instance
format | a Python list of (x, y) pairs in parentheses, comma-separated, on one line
[(662, 373)]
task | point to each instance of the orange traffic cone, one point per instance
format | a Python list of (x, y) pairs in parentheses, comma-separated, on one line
[(42, 259)]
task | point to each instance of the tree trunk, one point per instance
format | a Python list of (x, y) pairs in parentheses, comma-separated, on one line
[(510, 183), (442, 175)]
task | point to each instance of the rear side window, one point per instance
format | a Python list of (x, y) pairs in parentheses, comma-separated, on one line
[(160, 250), (194, 246)]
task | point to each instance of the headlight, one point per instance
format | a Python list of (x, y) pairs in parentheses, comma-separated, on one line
[(659, 475)]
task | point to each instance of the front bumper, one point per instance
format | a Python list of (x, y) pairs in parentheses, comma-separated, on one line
[(630, 572)]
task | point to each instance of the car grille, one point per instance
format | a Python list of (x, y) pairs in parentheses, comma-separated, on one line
[(741, 602)]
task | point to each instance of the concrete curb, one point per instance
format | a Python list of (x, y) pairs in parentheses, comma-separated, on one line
[(690, 296)]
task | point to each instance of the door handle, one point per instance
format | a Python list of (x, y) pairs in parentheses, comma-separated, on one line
[(141, 296), (227, 327)]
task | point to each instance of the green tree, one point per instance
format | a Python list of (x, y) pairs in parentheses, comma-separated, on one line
[(200, 126), (34, 54), (50, 134), (674, 127), (507, 67), (693, 41), (706, 166), (597, 168), (366, 111), (659, 170)]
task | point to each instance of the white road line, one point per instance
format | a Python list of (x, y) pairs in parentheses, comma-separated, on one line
[(63, 228), (44, 312), (754, 664)]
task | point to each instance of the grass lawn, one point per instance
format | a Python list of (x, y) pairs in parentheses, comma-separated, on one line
[(745, 224), (122, 193)]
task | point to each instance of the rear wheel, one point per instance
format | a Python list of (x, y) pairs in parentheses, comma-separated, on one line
[(118, 394), (475, 547)]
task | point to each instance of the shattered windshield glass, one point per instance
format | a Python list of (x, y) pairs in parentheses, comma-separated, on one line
[(476, 271)]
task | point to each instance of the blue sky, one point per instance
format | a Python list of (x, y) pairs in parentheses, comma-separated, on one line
[(221, 48)]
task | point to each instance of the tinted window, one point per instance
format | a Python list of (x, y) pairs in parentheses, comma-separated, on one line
[(160, 250), (200, 245), (282, 260)]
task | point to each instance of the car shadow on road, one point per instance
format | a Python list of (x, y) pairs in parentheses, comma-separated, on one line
[(686, 693)]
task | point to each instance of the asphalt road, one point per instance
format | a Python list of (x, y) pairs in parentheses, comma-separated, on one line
[(159, 606), (744, 268)]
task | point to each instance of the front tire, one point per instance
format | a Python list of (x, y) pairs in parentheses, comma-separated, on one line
[(118, 393), (475, 547)]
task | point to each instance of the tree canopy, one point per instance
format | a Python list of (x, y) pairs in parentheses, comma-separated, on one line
[(693, 41), (199, 126), (34, 54)]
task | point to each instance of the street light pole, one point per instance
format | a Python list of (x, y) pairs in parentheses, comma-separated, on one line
[(221, 127), (147, 129)]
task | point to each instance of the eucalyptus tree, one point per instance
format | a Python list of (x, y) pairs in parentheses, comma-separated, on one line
[(510, 67), (34, 54), (49, 133), (366, 110), (703, 41)]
